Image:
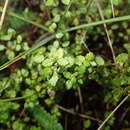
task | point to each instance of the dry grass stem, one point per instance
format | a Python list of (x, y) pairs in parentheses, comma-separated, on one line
[(3, 14)]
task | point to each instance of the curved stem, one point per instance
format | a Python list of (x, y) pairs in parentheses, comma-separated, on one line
[(112, 20), (3, 13), (49, 38), (112, 7), (11, 13), (103, 123), (20, 56), (14, 99)]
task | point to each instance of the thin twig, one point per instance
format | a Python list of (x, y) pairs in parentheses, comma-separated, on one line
[(77, 114), (83, 42), (66, 10), (49, 38), (66, 121), (3, 14), (80, 99), (13, 14), (106, 30), (112, 7), (123, 115), (103, 123), (42, 37), (89, 4), (14, 99)]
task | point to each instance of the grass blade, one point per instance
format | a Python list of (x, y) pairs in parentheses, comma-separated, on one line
[(45, 119), (3, 13), (112, 20), (11, 13), (49, 38), (103, 123), (20, 56), (106, 30), (14, 99)]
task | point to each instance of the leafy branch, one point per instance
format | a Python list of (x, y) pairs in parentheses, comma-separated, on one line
[(46, 40), (103, 123)]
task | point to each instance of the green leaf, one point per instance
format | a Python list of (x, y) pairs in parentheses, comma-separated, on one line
[(11, 93), (11, 32), (54, 79), (69, 84), (63, 61), (5, 37), (117, 2), (117, 92), (47, 62), (25, 46), (112, 20), (67, 75), (2, 47), (50, 2), (16, 23), (24, 72), (93, 63), (122, 58), (10, 54), (17, 20), (71, 61), (65, 44), (59, 35), (20, 56), (87, 123), (127, 47), (66, 2), (18, 125), (34, 128), (18, 47), (38, 58), (81, 69), (47, 121), (89, 56), (19, 39), (79, 60), (128, 80), (99, 60), (59, 53), (52, 27), (28, 92), (47, 72), (120, 80)]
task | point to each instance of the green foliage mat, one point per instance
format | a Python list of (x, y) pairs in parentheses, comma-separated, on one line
[(57, 70)]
